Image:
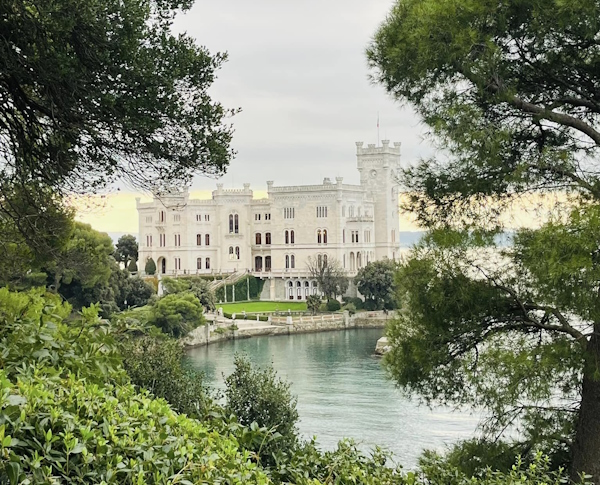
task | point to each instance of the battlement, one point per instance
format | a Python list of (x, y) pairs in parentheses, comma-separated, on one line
[(371, 149)]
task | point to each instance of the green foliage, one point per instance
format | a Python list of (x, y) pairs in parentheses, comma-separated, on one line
[(313, 303), (330, 276), (258, 396), (357, 302), (150, 267), (126, 250), (155, 364), (350, 308), (136, 292), (256, 286), (134, 128), (132, 267), (333, 305), (68, 414), (177, 314), (375, 281), (197, 286)]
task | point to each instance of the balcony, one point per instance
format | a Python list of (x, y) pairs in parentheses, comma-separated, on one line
[(360, 219)]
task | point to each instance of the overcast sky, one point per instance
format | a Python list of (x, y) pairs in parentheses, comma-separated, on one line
[(298, 71)]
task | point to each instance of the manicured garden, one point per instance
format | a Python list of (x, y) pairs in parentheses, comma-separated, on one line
[(263, 306)]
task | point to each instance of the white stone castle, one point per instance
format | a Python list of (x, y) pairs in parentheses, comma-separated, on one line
[(273, 237)]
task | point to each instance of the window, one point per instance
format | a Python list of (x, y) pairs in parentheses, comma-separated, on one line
[(207, 263), (291, 290), (367, 236), (354, 236), (161, 216), (292, 261), (206, 217), (306, 289), (319, 238), (258, 239), (287, 262), (237, 252), (207, 239), (343, 235), (177, 239), (198, 239), (177, 263), (149, 240), (322, 211), (257, 217), (324, 236), (298, 290), (230, 223), (199, 263), (358, 260), (258, 263), (237, 224), (320, 261), (292, 236), (176, 217), (287, 237), (344, 261), (162, 240), (230, 252), (267, 217), (288, 213), (393, 235), (267, 263), (324, 260), (148, 219), (268, 238), (198, 217)]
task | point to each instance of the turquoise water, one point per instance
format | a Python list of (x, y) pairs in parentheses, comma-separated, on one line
[(343, 391)]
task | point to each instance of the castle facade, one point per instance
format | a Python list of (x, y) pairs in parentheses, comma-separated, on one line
[(273, 238)]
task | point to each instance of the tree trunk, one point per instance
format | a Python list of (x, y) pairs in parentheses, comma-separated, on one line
[(586, 448)]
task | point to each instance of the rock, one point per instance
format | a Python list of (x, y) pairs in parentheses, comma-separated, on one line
[(382, 346)]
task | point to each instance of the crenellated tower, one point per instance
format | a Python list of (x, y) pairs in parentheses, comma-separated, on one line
[(378, 167)]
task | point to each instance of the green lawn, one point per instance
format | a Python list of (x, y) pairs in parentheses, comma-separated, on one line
[(263, 306)]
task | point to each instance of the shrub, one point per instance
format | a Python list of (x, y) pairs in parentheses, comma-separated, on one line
[(350, 308), (258, 396), (69, 415), (177, 314), (194, 284), (150, 267), (333, 305), (132, 267)]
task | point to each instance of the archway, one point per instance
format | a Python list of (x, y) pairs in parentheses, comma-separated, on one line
[(162, 265)]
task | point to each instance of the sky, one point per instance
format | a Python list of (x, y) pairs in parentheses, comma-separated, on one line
[(298, 71)]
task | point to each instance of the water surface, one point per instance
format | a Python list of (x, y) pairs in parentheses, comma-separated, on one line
[(343, 391)]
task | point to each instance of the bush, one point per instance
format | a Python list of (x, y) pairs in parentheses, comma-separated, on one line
[(132, 267), (155, 364), (150, 268), (194, 284), (177, 314), (258, 396), (350, 308), (333, 305), (256, 286), (69, 415)]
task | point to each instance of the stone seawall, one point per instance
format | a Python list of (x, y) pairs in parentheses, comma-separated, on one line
[(217, 332)]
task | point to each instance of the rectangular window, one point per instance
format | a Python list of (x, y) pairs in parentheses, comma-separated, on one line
[(207, 263), (148, 219), (149, 240), (162, 240), (288, 213), (207, 239), (198, 217), (322, 211), (206, 217), (257, 217), (176, 217), (177, 263), (177, 239), (267, 217)]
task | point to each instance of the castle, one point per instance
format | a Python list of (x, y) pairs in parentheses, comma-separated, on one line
[(274, 237)]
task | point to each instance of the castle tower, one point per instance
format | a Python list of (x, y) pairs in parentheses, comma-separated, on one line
[(378, 168)]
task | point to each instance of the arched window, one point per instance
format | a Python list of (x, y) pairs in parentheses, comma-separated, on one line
[(267, 238), (267, 263), (320, 261), (319, 240), (207, 263), (199, 263), (314, 287), (258, 263), (290, 290), (358, 260), (298, 290), (292, 261), (344, 261), (258, 238), (292, 236), (306, 289), (324, 236), (352, 267), (230, 252), (237, 225), (207, 239), (237, 252), (324, 260), (198, 239), (287, 237), (230, 223), (287, 262)]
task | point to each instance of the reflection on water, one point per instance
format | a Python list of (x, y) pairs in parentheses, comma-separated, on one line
[(342, 391)]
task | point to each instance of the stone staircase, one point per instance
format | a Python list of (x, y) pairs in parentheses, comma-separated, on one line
[(230, 280)]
